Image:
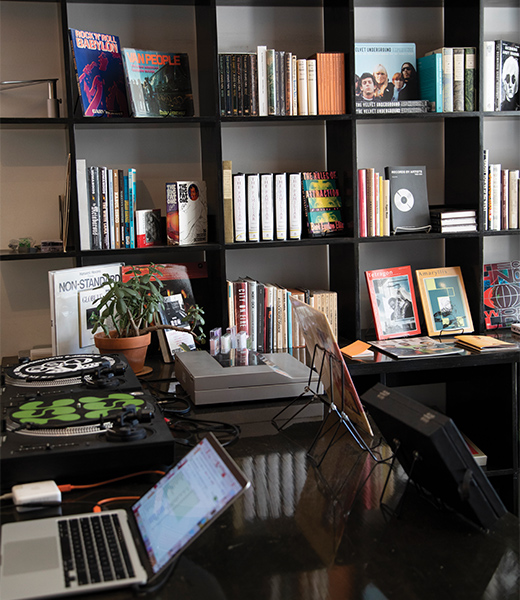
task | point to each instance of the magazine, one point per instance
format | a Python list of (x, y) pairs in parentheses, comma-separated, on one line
[(418, 347)]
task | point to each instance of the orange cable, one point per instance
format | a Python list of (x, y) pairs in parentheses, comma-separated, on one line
[(97, 507), (67, 487)]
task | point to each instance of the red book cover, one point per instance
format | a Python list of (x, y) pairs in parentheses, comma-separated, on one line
[(241, 306), (392, 298)]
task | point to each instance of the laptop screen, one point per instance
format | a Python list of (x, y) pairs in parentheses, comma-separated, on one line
[(184, 501)]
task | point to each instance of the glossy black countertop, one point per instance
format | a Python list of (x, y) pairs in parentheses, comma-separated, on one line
[(316, 525)]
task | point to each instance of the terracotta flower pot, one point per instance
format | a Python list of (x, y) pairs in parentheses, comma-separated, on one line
[(133, 348)]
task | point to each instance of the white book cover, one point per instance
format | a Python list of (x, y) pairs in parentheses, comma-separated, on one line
[(485, 188), (65, 286), (312, 89), (267, 206), (83, 204), (280, 197), (193, 212), (295, 206), (111, 209), (261, 53), (253, 207), (239, 207), (488, 76), (303, 100), (87, 307), (172, 314), (514, 175), (495, 195)]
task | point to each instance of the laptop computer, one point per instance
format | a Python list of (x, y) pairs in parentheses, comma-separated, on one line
[(123, 548)]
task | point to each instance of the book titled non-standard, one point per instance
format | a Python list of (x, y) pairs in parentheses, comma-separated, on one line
[(408, 198), (158, 83), (186, 213), (99, 73)]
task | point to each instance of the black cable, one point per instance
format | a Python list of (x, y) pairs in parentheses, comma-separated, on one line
[(188, 431)]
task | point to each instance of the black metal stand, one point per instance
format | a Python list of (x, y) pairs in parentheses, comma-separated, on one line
[(344, 423)]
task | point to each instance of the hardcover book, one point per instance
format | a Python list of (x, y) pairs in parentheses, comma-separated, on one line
[(392, 298), (444, 301), (322, 203), (69, 299), (158, 83), (148, 227), (501, 294), (386, 63), (430, 80), (99, 73), (409, 209), (187, 207), (507, 64)]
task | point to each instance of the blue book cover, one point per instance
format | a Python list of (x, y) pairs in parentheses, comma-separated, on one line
[(430, 80), (99, 73)]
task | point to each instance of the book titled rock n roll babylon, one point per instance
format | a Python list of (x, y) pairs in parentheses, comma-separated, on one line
[(158, 83), (99, 73)]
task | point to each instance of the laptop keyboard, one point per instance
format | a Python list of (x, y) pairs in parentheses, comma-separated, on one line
[(93, 550)]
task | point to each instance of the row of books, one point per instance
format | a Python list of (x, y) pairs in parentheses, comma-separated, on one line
[(501, 191), (274, 206), (394, 202), (272, 82), (119, 82), (501, 61), (263, 311), (447, 79), (106, 205)]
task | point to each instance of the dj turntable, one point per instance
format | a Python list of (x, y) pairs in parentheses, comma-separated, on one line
[(78, 418)]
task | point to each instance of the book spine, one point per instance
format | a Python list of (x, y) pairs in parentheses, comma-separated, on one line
[(83, 203), (117, 216), (312, 90), (227, 192), (267, 206), (103, 190), (504, 200), (127, 210), (253, 207), (271, 82), (371, 199), (362, 202), (386, 208), (485, 189), (239, 207), (172, 214), (498, 74), (470, 91), (288, 84), (132, 204), (294, 72), (261, 53), (280, 194), (303, 108), (514, 176), (111, 210), (488, 75), (447, 82), (458, 79), (253, 84), (495, 194), (295, 206)]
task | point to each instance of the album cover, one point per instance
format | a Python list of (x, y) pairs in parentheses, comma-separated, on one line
[(409, 210)]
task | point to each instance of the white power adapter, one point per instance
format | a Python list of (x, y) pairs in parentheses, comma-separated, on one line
[(30, 496)]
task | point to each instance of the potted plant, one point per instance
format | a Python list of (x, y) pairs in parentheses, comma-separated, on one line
[(129, 311)]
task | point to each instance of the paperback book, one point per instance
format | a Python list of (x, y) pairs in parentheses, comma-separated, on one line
[(99, 73), (444, 301), (186, 213), (158, 83), (418, 347), (322, 203), (483, 343), (393, 303), (409, 209)]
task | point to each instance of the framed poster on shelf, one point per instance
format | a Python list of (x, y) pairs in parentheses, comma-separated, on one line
[(444, 300), (393, 303)]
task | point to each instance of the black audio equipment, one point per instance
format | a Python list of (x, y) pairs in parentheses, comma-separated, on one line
[(78, 418)]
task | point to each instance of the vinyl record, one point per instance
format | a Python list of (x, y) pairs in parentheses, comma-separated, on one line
[(404, 200)]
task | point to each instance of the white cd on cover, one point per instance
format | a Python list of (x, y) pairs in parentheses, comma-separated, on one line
[(404, 200)]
